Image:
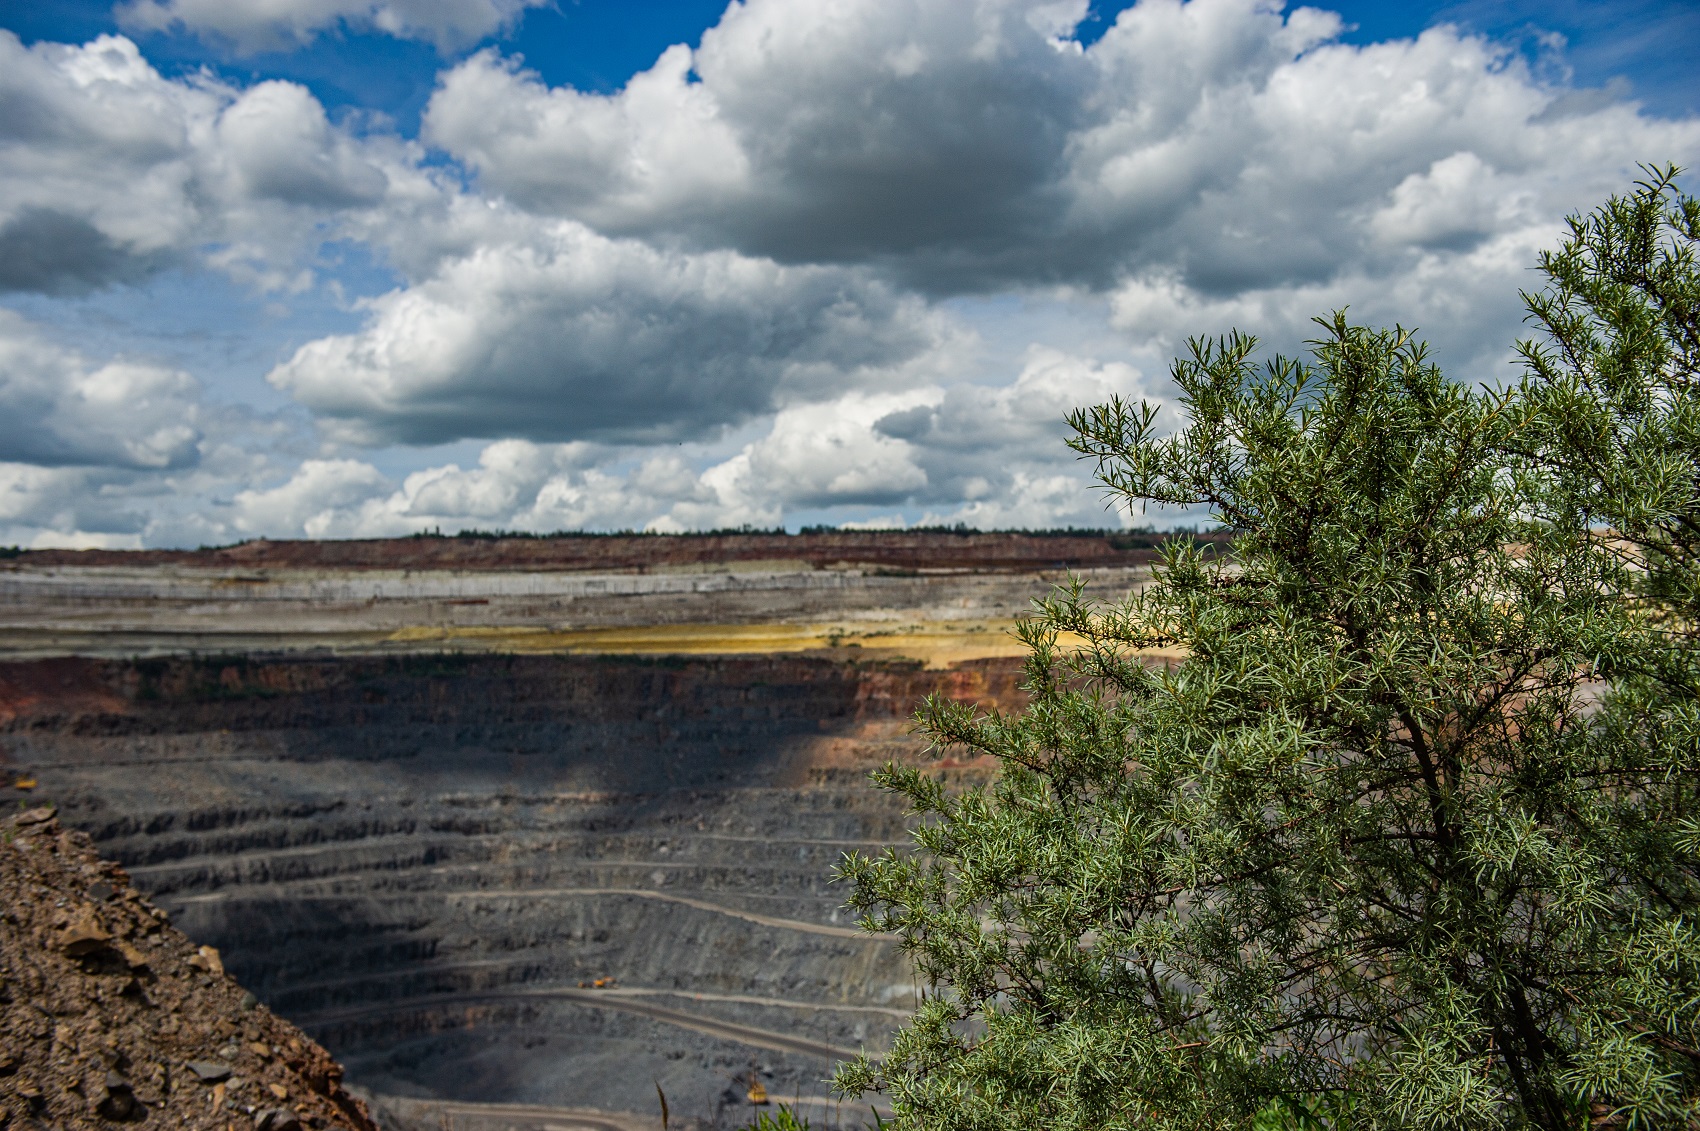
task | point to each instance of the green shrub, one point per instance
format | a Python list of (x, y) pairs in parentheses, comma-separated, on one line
[(1409, 839)]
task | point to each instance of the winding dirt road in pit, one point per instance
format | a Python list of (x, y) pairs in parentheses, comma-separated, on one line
[(487, 1117), (503, 964), (686, 901), (533, 1117), (635, 893), (601, 999)]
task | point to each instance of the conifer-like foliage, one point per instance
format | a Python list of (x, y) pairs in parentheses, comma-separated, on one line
[(1408, 839)]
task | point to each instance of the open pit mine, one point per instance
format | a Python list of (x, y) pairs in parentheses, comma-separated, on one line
[(522, 829)]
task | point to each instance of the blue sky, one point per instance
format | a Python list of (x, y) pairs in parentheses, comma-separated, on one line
[(338, 268), (599, 44)]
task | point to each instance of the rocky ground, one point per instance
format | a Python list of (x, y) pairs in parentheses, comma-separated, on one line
[(109, 1015)]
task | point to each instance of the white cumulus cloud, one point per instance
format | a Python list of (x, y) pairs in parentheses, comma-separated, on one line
[(57, 408), (578, 336), (110, 171), (964, 148), (994, 453), (314, 501)]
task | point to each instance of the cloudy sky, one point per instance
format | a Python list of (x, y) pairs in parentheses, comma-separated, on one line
[(342, 268)]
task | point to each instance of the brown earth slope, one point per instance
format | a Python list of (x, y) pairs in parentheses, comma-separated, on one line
[(109, 1016)]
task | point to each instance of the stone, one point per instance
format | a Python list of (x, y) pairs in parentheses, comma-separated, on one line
[(38, 816), (117, 1102), (83, 935), (133, 957), (100, 891), (276, 1119), (209, 1071), (207, 959)]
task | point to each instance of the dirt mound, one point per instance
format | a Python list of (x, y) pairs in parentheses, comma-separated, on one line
[(109, 1016)]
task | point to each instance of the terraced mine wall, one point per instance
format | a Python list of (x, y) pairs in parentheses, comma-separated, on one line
[(520, 828), (551, 880), (56, 610)]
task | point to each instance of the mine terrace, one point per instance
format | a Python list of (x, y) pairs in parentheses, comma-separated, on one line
[(520, 828)]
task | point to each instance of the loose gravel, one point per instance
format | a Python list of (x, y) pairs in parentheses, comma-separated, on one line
[(109, 1016)]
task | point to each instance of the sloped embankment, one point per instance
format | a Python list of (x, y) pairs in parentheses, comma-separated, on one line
[(108, 1015)]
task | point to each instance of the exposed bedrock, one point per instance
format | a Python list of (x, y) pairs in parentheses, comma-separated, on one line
[(430, 862)]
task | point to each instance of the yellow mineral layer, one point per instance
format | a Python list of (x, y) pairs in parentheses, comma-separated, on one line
[(937, 644)]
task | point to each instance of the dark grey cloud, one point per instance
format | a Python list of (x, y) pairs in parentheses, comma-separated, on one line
[(48, 252)]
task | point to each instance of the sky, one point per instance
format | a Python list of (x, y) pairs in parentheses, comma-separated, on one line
[(362, 268)]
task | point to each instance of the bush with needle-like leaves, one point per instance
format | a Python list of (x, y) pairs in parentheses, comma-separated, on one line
[(1408, 838)]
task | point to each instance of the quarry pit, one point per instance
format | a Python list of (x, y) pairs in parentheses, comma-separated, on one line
[(521, 829)]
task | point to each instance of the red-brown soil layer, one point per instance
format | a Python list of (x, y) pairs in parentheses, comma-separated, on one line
[(718, 718), (109, 1016), (889, 549)]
